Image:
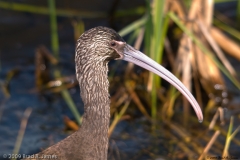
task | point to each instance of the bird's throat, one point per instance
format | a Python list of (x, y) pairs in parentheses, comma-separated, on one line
[(94, 93)]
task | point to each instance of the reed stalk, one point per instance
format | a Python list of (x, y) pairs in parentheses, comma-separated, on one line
[(204, 49), (21, 132), (230, 137), (45, 10), (238, 12), (133, 26), (55, 48), (155, 36)]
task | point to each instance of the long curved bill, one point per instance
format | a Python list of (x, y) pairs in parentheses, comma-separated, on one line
[(132, 55)]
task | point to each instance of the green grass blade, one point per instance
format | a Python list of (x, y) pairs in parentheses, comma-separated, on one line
[(148, 30), (54, 33), (131, 27), (160, 44), (21, 132), (55, 47), (224, 1), (238, 12), (233, 32), (230, 136), (68, 99), (157, 17), (228, 139), (45, 10), (132, 11)]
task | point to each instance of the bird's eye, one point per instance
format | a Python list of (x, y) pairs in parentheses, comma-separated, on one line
[(113, 44)]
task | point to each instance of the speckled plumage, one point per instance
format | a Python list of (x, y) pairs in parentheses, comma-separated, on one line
[(94, 49), (90, 142)]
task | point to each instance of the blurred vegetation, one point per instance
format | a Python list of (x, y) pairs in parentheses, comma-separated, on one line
[(192, 39)]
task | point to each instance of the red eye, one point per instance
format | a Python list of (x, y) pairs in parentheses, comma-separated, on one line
[(113, 44)]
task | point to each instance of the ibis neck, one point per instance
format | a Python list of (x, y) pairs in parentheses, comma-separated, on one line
[(94, 93)]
